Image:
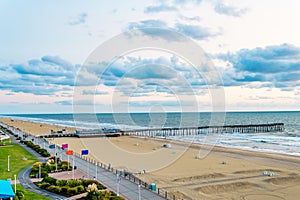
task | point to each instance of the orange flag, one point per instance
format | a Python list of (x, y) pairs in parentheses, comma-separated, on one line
[(69, 152)]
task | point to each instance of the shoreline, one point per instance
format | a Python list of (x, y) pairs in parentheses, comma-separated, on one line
[(224, 173), (71, 128)]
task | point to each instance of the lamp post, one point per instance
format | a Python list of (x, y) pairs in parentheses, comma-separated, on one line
[(88, 164), (15, 183), (40, 171), (96, 171), (73, 166), (139, 189), (55, 159), (8, 169), (118, 184)]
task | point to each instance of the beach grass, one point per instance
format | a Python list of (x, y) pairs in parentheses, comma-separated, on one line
[(19, 159)]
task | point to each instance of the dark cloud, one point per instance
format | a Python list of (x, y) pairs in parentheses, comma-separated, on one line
[(46, 76), (273, 66), (271, 59)]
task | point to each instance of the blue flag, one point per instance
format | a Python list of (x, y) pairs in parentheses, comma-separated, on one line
[(52, 146), (84, 152)]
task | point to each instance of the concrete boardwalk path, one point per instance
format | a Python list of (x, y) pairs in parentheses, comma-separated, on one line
[(26, 182)]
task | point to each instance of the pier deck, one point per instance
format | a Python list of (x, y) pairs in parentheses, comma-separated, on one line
[(184, 131)]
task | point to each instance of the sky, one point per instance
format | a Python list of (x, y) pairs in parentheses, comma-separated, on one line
[(254, 47)]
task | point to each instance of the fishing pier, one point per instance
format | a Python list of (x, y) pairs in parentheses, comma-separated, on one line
[(166, 132), (191, 131)]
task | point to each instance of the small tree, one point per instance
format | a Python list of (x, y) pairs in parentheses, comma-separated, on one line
[(93, 193)]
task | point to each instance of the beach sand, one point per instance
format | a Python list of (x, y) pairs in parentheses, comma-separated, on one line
[(225, 173), (34, 128)]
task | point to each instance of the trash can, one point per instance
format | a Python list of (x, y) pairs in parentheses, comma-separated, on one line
[(152, 187)]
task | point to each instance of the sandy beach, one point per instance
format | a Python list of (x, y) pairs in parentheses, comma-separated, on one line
[(225, 173), (34, 128)]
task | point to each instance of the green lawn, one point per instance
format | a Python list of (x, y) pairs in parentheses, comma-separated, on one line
[(19, 159), (31, 195)]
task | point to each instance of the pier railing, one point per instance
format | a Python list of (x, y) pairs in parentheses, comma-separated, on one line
[(191, 131), (182, 131)]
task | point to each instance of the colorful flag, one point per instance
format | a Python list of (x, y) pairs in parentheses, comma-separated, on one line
[(84, 152), (69, 152), (64, 146), (52, 146)]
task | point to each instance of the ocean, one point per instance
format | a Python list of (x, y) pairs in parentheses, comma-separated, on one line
[(286, 142)]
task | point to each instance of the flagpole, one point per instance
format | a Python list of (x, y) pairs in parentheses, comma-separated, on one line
[(55, 158), (96, 171), (88, 166), (73, 166)]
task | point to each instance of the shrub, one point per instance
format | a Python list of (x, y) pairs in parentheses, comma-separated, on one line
[(61, 183), (72, 191), (80, 189), (43, 152), (64, 189), (20, 194), (64, 162), (73, 183), (64, 167), (54, 189), (86, 183), (44, 174), (116, 198), (50, 180), (44, 185)]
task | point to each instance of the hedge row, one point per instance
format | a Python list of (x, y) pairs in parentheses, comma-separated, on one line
[(37, 148), (67, 187), (49, 166)]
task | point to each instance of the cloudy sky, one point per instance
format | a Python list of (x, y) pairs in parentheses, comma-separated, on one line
[(253, 45)]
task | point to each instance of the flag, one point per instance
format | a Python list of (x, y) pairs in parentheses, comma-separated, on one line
[(52, 146), (84, 152), (64, 146), (69, 152)]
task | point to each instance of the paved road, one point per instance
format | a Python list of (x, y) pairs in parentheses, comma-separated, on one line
[(25, 181), (28, 185)]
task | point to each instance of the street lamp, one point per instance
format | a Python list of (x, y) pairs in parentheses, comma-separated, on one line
[(139, 189), (8, 169), (40, 171), (15, 183), (118, 184)]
